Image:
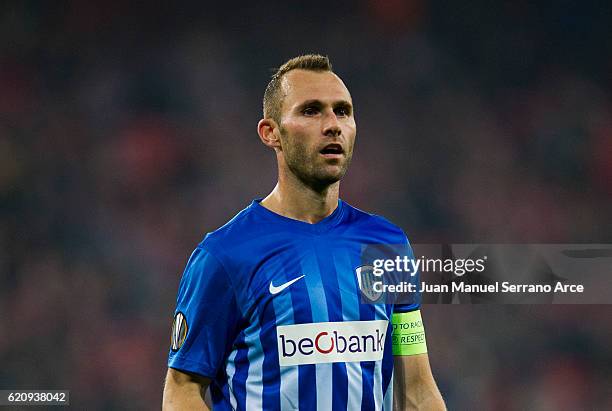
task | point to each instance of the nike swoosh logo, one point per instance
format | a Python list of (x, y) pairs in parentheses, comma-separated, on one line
[(275, 290)]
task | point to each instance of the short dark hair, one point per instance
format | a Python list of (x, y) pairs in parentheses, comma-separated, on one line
[(273, 100)]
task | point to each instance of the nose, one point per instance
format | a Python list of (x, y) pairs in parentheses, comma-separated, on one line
[(331, 126)]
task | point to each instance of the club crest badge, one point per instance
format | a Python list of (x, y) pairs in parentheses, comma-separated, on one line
[(366, 279), (179, 331)]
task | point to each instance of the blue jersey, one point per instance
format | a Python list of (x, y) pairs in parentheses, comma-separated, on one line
[(270, 309)]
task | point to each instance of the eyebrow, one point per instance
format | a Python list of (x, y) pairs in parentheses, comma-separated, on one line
[(319, 103)]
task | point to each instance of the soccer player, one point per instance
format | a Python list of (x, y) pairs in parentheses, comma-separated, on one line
[(269, 312)]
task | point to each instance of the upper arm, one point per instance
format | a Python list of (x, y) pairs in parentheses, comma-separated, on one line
[(412, 370), (184, 391), (207, 317), (414, 384), (180, 378)]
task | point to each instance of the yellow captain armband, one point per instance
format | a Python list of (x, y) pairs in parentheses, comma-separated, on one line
[(408, 334)]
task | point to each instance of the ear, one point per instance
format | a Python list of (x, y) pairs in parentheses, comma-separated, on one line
[(269, 133)]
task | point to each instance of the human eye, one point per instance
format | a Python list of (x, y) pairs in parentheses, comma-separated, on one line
[(310, 111), (343, 111)]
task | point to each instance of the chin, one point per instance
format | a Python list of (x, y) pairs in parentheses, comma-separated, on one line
[(329, 178), (321, 176)]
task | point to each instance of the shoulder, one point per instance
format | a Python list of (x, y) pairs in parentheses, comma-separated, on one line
[(362, 220), (240, 228)]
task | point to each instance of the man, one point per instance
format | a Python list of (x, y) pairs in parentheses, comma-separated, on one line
[(269, 314)]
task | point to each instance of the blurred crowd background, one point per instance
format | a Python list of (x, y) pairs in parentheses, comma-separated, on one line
[(128, 131)]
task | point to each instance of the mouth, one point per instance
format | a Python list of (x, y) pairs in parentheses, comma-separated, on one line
[(333, 150)]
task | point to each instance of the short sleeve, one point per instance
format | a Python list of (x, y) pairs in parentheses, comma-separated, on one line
[(414, 301), (206, 319)]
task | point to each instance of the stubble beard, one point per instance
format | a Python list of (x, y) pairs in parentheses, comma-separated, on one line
[(312, 170)]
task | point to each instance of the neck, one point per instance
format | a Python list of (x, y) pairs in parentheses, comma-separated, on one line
[(294, 199)]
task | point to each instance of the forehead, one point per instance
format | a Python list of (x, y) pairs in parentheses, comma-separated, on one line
[(301, 85)]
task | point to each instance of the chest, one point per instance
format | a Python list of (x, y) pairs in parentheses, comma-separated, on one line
[(307, 281)]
